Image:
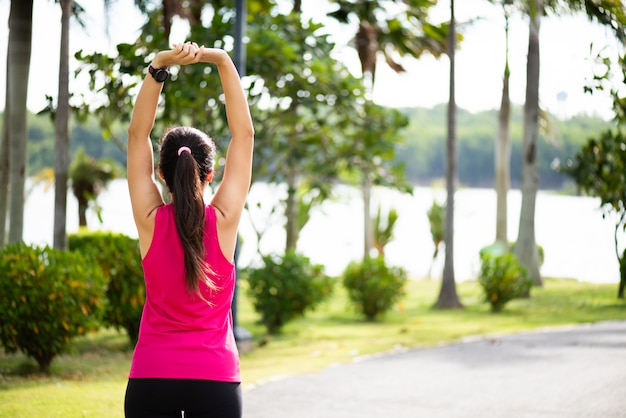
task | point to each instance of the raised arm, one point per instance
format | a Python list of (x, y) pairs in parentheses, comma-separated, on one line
[(144, 193), (230, 198)]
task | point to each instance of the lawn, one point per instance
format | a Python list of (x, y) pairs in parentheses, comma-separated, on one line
[(90, 381)]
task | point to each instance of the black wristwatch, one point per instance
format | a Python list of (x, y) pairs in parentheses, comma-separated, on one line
[(159, 74)]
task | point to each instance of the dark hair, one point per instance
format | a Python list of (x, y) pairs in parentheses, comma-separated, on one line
[(185, 173)]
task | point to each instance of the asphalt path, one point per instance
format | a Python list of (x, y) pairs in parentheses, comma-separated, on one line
[(570, 372)]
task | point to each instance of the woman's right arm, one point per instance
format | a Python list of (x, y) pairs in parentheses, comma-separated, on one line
[(231, 196)]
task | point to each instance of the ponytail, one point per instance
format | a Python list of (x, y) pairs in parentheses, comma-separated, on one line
[(185, 177)]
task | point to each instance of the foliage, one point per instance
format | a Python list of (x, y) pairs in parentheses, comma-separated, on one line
[(118, 258), (599, 170), (423, 147), (88, 177), (383, 229), (373, 286), (302, 102), (285, 287), (49, 296), (371, 148), (404, 32), (599, 167), (502, 278), (436, 219)]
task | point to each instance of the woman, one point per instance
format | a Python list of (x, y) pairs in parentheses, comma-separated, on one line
[(186, 361)]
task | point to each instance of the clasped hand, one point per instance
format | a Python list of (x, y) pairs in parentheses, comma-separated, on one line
[(187, 53)]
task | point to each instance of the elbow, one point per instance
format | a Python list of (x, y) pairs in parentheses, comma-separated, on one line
[(133, 131), (249, 132)]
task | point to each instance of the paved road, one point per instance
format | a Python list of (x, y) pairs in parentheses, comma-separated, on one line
[(572, 372)]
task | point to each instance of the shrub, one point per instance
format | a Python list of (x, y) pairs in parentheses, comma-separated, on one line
[(48, 297), (119, 259), (284, 288), (373, 286), (502, 278)]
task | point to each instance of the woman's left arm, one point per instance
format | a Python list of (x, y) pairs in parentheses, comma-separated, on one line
[(144, 193)]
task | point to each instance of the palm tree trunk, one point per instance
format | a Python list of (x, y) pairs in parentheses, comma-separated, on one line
[(503, 150), (526, 247), (62, 121), (4, 167), (83, 205), (448, 297), (20, 42)]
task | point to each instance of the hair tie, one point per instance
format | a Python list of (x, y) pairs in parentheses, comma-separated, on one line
[(183, 149)]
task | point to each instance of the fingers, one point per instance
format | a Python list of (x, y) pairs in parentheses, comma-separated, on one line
[(191, 52), (184, 53)]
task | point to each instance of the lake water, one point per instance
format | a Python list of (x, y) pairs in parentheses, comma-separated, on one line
[(578, 242)]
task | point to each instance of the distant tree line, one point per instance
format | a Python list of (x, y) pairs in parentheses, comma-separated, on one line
[(422, 151), (84, 135)]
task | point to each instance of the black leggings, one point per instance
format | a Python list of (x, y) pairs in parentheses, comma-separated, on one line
[(161, 398)]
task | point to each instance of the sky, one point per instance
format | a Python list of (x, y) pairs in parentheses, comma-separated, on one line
[(565, 56)]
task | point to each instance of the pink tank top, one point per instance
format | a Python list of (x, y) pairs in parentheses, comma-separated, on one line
[(181, 336)]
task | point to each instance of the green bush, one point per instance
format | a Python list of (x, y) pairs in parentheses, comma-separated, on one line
[(284, 288), (48, 297), (120, 260), (502, 279), (373, 286)]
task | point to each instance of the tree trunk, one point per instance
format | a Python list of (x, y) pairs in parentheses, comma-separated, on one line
[(620, 259), (368, 230), (526, 246), (291, 211), (448, 297), (4, 168), (367, 48), (20, 41), (62, 121), (83, 205), (503, 151)]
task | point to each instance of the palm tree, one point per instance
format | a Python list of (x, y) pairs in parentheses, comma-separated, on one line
[(448, 297), (4, 166), (385, 34), (62, 121), (18, 65), (610, 13), (526, 247), (503, 141), (89, 177)]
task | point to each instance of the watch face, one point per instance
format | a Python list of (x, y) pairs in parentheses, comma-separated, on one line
[(161, 75)]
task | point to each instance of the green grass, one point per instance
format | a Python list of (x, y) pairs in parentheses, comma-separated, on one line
[(90, 381)]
